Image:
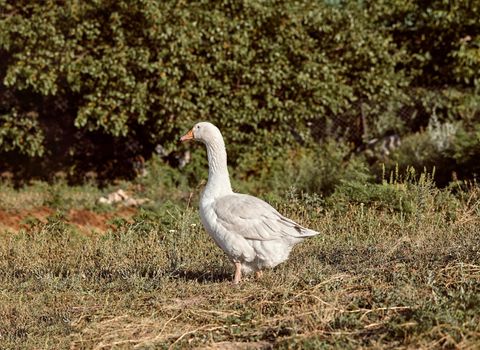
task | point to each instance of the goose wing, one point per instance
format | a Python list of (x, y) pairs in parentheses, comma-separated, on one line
[(254, 219)]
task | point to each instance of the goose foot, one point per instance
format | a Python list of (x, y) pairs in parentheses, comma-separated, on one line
[(258, 274), (238, 273)]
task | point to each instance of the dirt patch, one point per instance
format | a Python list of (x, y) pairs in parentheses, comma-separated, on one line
[(85, 221), (16, 220), (88, 221)]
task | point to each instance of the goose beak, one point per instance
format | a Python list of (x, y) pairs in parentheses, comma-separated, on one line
[(187, 136)]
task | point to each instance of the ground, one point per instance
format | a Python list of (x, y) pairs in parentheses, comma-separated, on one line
[(83, 220), (74, 275)]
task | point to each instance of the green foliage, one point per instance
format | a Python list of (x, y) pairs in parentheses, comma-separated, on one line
[(442, 56), (321, 169), (451, 148), (116, 78), (21, 133), (409, 193), (259, 70), (441, 38)]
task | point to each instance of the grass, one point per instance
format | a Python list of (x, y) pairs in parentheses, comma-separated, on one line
[(374, 278)]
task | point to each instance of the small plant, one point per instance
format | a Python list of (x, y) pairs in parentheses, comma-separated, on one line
[(442, 135)]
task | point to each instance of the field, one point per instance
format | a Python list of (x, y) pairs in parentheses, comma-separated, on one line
[(74, 274)]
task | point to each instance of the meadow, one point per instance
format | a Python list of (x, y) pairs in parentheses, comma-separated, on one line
[(77, 274)]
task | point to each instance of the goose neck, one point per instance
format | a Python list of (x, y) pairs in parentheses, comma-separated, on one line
[(218, 176)]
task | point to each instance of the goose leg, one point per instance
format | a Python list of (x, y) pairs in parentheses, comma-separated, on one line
[(258, 274), (238, 273)]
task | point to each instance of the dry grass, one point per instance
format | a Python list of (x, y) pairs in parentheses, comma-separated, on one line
[(373, 279)]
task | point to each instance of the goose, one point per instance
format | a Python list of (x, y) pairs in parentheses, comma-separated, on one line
[(250, 231)]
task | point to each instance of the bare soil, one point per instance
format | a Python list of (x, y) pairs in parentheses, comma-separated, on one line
[(86, 221)]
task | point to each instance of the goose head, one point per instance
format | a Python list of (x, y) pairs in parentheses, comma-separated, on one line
[(218, 178), (204, 132)]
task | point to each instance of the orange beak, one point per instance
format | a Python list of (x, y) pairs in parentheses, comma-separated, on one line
[(187, 136)]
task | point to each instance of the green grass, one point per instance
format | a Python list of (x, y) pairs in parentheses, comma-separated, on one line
[(376, 277)]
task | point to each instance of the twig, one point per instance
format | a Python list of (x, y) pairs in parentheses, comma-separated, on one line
[(168, 321), (393, 308), (191, 332)]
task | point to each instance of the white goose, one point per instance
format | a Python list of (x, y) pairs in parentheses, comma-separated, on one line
[(252, 233)]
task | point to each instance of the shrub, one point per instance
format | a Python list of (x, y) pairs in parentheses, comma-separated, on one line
[(95, 84), (451, 148), (146, 71), (408, 192)]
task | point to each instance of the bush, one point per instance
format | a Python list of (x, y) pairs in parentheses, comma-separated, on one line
[(408, 192), (97, 84), (441, 38), (451, 149), (146, 71)]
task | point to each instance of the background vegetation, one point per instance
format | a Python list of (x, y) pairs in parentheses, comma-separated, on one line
[(97, 85)]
